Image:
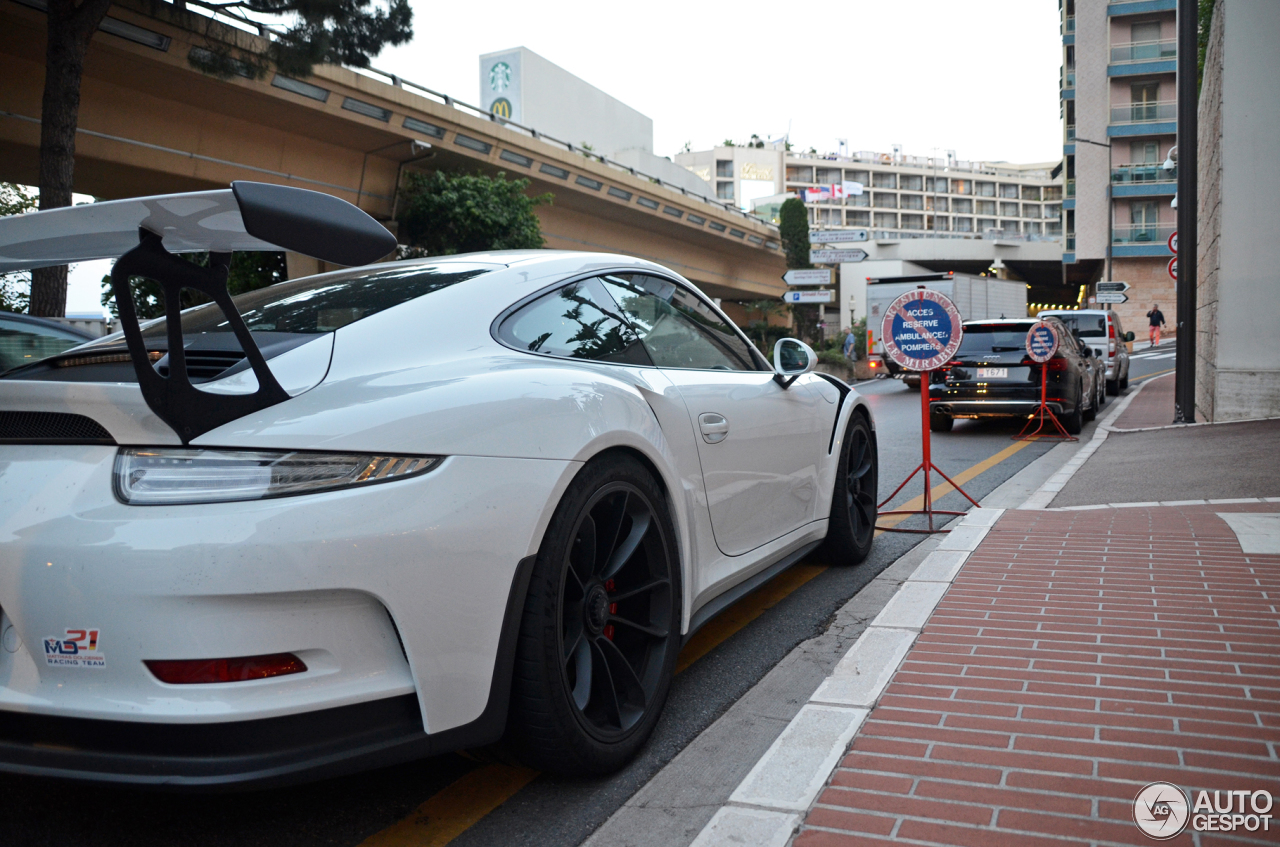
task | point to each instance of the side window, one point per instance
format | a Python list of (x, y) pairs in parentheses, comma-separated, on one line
[(678, 329), (22, 343), (578, 321)]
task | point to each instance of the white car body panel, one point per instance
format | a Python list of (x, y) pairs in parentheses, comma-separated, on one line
[(335, 577)]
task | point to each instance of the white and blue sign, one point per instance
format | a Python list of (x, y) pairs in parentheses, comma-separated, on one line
[(1042, 341), (921, 330)]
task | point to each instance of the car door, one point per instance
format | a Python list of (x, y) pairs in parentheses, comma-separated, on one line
[(759, 444)]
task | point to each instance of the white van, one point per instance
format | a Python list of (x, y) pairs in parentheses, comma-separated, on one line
[(1101, 329)]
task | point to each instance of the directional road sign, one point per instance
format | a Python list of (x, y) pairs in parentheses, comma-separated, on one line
[(1173, 268), (831, 257), (1042, 341), (816, 276), (807, 297), (1110, 297), (921, 330), (1113, 287), (836, 236)]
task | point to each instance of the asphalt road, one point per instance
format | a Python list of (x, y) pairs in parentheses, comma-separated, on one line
[(394, 806)]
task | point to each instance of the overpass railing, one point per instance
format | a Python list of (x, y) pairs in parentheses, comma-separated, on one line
[(265, 30)]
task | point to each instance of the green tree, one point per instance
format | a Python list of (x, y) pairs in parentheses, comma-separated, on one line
[(249, 271), (793, 229), (342, 31), (15, 287), (443, 213), (1204, 22)]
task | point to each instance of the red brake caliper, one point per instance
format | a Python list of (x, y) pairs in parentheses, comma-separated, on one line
[(613, 610)]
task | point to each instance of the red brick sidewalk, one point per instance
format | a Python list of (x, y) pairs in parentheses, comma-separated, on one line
[(1077, 657), (1152, 407)]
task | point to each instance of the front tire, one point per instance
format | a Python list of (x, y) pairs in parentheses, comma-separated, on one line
[(853, 502), (601, 624)]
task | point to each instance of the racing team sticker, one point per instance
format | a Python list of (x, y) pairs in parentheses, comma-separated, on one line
[(77, 648)]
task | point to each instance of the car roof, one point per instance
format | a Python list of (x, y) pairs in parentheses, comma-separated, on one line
[(56, 327)]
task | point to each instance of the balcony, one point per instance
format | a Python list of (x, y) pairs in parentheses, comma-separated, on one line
[(1071, 242), (1070, 25), (1071, 132), (1141, 240), (1140, 7), (1144, 51), (1145, 180), (1071, 188), (1151, 118)]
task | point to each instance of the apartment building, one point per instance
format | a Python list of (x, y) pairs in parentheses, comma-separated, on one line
[(902, 196), (1119, 126)]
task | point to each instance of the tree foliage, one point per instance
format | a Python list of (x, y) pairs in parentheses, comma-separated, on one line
[(347, 32), (793, 228), (249, 271), (1204, 22), (443, 213), (15, 288)]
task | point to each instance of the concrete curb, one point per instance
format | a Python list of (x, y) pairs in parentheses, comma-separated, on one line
[(787, 779)]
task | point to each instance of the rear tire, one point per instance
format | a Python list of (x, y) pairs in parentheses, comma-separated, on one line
[(1124, 383), (1113, 387), (940, 423), (1074, 422), (601, 624), (853, 501)]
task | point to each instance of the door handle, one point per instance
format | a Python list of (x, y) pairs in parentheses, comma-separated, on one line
[(715, 428)]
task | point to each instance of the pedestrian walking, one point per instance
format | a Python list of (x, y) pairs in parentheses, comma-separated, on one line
[(849, 341), (1156, 318)]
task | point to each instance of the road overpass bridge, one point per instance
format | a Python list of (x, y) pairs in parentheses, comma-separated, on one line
[(151, 123)]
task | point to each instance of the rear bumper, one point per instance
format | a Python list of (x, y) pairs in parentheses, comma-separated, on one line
[(990, 408), (256, 753)]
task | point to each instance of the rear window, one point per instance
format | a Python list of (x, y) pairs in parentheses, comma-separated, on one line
[(994, 338), (315, 305), (1086, 326)]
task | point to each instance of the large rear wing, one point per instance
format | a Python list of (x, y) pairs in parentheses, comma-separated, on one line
[(145, 233)]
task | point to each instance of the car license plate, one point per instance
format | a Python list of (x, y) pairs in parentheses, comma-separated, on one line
[(993, 373)]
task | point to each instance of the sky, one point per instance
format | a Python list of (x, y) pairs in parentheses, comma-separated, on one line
[(979, 77)]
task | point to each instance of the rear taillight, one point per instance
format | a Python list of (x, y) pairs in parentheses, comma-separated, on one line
[(1057, 363), (238, 669), (1111, 339)]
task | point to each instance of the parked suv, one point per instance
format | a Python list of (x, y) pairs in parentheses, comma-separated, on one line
[(991, 375), (1101, 328)]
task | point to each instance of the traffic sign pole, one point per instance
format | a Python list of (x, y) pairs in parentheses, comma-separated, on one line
[(905, 334), (1042, 344)]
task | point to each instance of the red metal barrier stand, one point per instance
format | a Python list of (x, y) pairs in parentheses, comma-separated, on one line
[(1044, 412), (925, 465)]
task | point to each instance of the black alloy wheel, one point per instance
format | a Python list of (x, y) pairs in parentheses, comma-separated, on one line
[(602, 624), (853, 503)]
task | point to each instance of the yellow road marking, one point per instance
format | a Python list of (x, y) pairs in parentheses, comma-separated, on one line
[(945, 487), (1157, 373), (450, 812), (720, 628), (459, 806)]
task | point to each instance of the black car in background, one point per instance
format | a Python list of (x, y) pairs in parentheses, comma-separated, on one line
[(991, 375)]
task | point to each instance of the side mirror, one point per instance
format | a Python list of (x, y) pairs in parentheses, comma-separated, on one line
[(1128, 336), (791, 358)]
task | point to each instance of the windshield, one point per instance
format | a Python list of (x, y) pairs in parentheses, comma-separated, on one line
[(316, 305), (994, 338), (1086, 326)]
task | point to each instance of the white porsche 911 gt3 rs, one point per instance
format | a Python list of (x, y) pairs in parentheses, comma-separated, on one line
[(386, 512)]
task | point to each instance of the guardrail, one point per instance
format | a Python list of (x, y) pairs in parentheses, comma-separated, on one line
[(1145, 173), (1144, 51), (1142, 113), (1141, 234)]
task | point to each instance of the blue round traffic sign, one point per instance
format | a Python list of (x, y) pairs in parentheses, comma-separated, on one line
[(1042, 341), (921, 330)]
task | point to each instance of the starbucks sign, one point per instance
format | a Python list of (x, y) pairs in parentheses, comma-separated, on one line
[(500, 89)]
